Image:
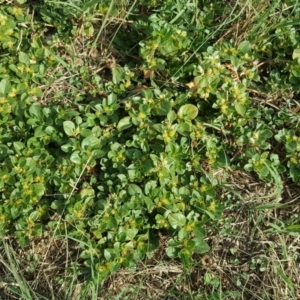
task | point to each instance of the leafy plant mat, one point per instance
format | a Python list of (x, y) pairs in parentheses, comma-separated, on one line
[(125, 122)]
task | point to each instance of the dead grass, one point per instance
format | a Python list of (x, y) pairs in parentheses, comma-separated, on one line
[(45, 265)]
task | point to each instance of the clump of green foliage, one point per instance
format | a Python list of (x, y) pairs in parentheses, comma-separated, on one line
[(110, 167)]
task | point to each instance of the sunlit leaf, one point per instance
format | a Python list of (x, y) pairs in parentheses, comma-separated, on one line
[(188, 111)]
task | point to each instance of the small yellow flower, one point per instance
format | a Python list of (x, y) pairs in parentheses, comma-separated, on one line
[(28, 70), (13, 93), (294, 160), (160, 174), (190, 226), (3, 100), (241, 99), (10, 44), (33, 200), (5, 178), (18, 202), (165, 201), (78, 214), (30, 223), (166, 137), (41, 211), (224, 109), (199, 134), (246, 56), (9, 32), (209, 72), (2, 218), (152, 63), (250, 74), (3, 19), (21, 68), (172, 133), (28, 192), (212, 207), (18, 169), (17, 11), (204, 188), (141, 115)]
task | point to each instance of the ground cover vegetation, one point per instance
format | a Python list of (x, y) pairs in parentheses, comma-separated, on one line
[(149, 149)]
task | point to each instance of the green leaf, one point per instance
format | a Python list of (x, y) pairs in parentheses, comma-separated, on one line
[(147, 166), (265, 134), (90, 142), (75, 157), (293, 228), (188, 111), (236, 62), (183, 234), (134, 154), (296, 53), (30, 165), (57, 204), (295, 173), (118, 74), (84, 132), (134, 189), (69, 127), (263, 172), (15, 211), (98, 153), (112, 98), (36, 111), (184, 128), (111, 224), (199, 231), (39, 189), (167, 48), (176, 220), (291, 146), (172, 116), (185, 256), (244, 47), (147, 93), (131, 233), (248, 167), (5, 86), (171, 252), (24, 58), (286, 279), (3, 151), (223, 159), (18, 147), (124, 123), (23, 239), (107, 254), (149, 186), (200, 246), (240, 108), (90, 4), (164, 108), (87, 193), (34, 215), (158, 127)]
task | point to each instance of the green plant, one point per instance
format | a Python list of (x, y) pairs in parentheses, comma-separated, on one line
[(112, 159)]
